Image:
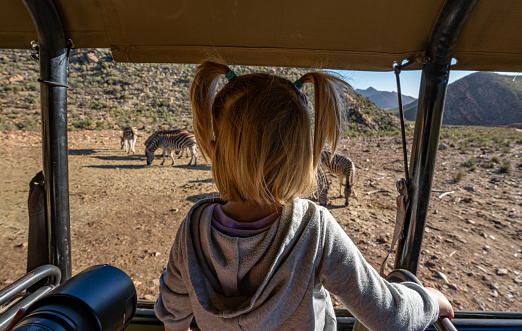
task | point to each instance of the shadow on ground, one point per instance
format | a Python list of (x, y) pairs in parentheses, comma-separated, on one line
[(121, 157), (122, 166), (197, 197), (81, 151)]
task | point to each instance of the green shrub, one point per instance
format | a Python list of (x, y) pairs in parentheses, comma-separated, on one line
[(95, 104), (505, 167), (7, 126), (81, 124), (459, 174), (32, 86), (471, 163), (100, 125), (29, 123)]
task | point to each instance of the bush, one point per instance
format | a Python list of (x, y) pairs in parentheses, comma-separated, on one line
[(95, 104), (506, 167), (471, 164), (32, 86), (459, 175), (7, 126), (81, 124), (100, 125), (29, 123)]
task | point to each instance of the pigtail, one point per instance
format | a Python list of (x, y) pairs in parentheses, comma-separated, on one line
[(202, 93), (329, 108)]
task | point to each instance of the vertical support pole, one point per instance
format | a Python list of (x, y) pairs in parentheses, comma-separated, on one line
[(432, 94), (53, 58)]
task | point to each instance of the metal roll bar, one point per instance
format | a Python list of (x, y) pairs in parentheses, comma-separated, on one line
[(53, 57), (432, 95)]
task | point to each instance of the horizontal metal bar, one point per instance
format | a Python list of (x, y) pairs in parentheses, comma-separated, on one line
[(31, 278), (24, 303)]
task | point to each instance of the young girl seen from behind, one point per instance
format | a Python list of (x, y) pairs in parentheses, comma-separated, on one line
[(260, 257)]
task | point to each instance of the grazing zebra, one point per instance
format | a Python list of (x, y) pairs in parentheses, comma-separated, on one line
[(155, 134), (169, 141), (175, 131), (341, 166), (128, 139)]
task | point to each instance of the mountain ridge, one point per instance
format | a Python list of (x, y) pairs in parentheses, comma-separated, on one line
[(384, 99), (479, 99)]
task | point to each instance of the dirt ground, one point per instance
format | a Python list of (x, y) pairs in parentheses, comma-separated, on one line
[(125, 213)]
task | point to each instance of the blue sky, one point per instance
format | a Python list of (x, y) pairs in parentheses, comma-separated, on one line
[(385, 81)]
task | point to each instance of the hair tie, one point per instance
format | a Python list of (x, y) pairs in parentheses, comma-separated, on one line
[(231, 74), (298, 84)]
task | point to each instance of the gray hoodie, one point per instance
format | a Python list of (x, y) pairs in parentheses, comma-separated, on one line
[(281, 278)]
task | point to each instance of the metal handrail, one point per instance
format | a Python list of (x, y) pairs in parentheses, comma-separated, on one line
[(31, 278), (11, 291)]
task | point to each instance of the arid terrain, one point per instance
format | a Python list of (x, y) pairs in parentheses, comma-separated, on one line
[(126, 213)]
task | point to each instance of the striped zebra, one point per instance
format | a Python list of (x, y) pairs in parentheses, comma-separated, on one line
[(341, 166), (128, 139), (175, 131), (322, 186), (169, 141)]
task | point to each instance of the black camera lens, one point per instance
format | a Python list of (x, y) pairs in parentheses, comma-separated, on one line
[(99, 298)]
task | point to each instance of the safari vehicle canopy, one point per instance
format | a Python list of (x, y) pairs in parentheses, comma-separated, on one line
[(356, 35)]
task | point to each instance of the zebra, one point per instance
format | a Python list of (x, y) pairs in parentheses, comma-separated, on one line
[(128, 139), (169, 141), (322, 186), (175, 131), (338, 165)]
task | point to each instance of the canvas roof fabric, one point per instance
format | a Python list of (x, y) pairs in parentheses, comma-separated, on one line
[(336, 34)]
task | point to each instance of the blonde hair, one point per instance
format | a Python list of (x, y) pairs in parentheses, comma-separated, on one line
[(264, 150)]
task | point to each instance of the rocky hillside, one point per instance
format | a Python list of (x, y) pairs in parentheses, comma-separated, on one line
[(480, 99), (109, 95), (484, 99)]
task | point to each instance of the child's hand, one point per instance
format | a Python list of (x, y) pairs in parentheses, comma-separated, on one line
[(445, 308)]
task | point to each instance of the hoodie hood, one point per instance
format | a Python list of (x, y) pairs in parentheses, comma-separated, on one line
[(248, 276)]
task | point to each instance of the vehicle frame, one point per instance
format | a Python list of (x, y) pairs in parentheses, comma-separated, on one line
[(56, 33)]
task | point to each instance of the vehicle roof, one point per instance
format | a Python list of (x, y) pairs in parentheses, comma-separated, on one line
[(336, 34)]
